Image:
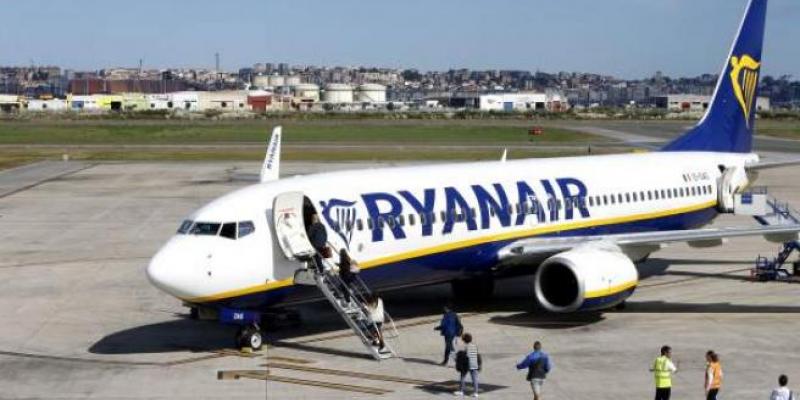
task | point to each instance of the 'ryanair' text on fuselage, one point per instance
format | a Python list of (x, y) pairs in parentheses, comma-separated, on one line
[(476, 210)]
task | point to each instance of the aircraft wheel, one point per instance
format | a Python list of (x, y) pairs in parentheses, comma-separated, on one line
[(250, 337)]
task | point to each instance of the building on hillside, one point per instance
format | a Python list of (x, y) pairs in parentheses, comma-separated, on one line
[(50, 105), (523, 102), (693, 102), (187, 101), (259, 100), (223, 100), (134, 102), (82, 103), (9, 103)]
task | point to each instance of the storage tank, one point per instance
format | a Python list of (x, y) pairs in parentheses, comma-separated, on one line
[(338, 93), (371, 93), (292, 80), (276, 80), (307, 91), (261, 81)]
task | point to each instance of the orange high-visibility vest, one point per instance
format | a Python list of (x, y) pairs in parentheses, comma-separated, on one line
[(716, 375)]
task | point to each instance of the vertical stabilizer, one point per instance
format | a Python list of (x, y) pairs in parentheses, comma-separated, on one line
[(727, 125)]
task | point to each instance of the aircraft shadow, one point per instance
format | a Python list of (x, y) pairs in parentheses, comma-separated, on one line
[(171, 336), (660, 307)]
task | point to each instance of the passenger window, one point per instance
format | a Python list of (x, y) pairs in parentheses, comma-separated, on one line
[(444, 216), (591, 201), (359, 224), (370, 224), (472, 213), (390, 222), (401, 220), (432, 217), (228, 230), (205, 228), (649, 195), (627, 197), (619, 198), (411, 219), (613, 199), (184, 228), (605, 199)]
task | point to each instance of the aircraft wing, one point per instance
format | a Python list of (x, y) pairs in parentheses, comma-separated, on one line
[(652, 241), (772, 164)]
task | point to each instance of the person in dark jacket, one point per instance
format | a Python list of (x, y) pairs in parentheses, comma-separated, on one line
[(348, 268), (538, 365), (450, 328), (318, 237)]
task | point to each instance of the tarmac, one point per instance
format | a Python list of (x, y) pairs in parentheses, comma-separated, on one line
[(80, 319)]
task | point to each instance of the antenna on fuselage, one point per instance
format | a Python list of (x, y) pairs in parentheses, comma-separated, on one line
[(270, 171)]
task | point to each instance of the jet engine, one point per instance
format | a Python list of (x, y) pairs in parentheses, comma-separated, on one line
[(584, 279)]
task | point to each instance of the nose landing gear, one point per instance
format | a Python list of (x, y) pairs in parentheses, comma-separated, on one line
[(249, 336)]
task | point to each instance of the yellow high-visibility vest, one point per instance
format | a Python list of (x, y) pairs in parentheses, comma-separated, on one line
[(662, 375)]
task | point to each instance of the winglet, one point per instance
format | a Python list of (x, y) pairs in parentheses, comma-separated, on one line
[(503, 157), (271, 169)]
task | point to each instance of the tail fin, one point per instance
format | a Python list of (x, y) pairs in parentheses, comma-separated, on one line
[(727, 125)]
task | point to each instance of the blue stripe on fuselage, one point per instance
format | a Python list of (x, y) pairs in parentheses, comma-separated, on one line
[(453, 264)]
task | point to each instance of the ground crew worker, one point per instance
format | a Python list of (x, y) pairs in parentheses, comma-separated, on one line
[(713, 375), (662, 370)]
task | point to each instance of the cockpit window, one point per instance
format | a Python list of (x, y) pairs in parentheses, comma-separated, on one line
[(205, 228), (246, 228), (228, 230), (184, 228)]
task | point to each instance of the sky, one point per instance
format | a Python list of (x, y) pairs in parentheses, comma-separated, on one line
[(624, 38)]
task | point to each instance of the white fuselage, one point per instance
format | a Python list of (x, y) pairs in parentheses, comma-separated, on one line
[(425, 224)]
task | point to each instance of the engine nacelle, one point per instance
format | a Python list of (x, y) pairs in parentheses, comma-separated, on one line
[(584, 279)]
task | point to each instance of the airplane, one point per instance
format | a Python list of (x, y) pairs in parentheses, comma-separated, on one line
[(578, 225)]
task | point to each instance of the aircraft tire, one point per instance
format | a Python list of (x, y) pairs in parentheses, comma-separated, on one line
[(250, 337)]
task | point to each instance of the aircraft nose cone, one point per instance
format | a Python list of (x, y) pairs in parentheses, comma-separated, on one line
[(162, 272)]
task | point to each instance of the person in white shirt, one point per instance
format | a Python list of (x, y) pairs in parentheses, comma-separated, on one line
[(782, 392), (377, 316)]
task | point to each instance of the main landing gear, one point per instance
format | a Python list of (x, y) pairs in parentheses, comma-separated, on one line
[(249, 336)]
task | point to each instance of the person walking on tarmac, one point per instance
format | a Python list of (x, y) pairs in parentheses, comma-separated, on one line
[(713, 375), (538, 365), (318, 237), (782, 392), (468, 361), (450, 328), (662, 370)]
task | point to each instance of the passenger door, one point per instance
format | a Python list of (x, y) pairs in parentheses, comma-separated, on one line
[(290, 228)]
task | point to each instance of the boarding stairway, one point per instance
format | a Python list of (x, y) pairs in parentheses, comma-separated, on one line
[(356, 313), (775, 213)]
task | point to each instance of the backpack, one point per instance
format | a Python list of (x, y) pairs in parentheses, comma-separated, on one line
[(462, 361)]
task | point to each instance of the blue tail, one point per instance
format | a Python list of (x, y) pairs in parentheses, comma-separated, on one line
[(727, 125)]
